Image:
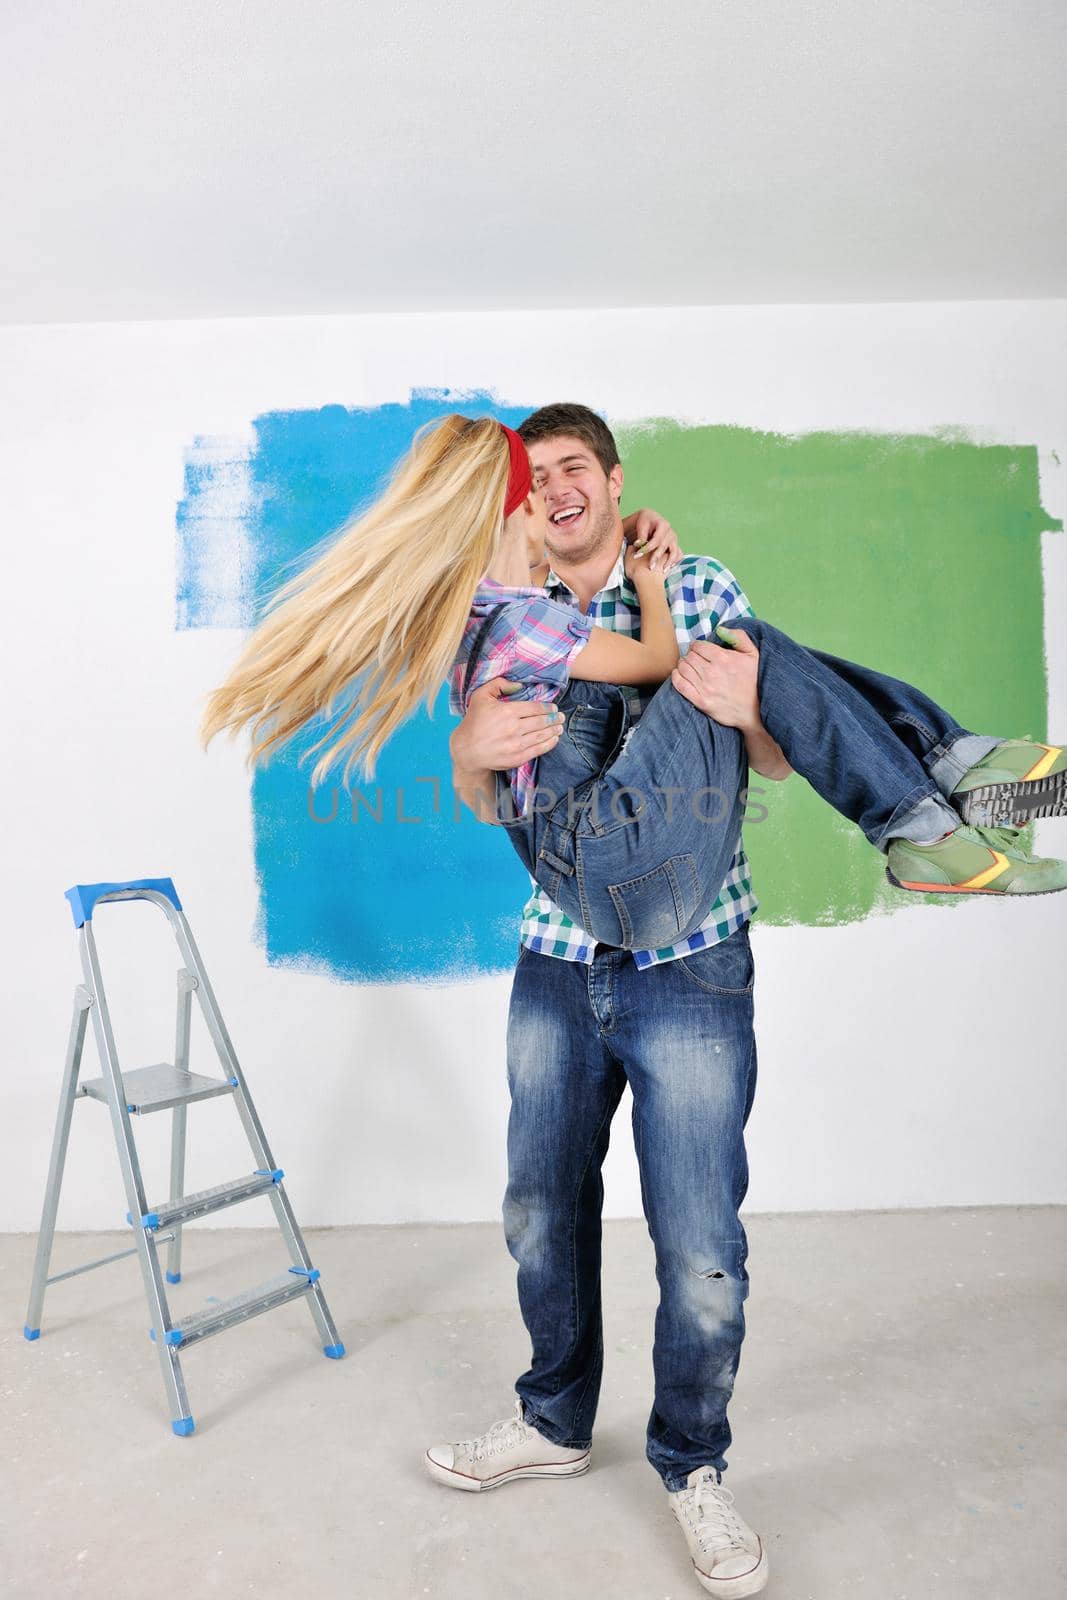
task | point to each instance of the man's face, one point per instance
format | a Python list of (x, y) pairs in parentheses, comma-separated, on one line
[(581, 499)]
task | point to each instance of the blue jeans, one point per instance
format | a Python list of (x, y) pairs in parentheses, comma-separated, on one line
[(631, 830), (877, 748), (681, 1035)]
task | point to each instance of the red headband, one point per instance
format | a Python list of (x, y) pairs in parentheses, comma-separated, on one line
[(520, 479)]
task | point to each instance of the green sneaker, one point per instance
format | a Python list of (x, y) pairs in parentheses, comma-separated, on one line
[(973, 861), (1016, 782)]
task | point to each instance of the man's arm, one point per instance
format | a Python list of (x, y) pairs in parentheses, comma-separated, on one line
[(765, 754), (477, 790), (496, 735)]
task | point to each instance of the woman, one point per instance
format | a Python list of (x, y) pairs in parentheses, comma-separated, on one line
[(433, 581)]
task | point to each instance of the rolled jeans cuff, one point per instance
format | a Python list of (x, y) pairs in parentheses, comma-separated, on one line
[(946, 764), (927, 820)]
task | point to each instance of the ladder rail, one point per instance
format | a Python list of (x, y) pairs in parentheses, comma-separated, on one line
[(186, 982), (136, 1201), (220, 1036), (58, 1159)]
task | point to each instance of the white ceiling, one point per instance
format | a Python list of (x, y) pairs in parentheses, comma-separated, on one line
[(213, 158)]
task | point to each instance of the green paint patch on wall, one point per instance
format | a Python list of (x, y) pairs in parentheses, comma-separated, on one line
[(918, 555)]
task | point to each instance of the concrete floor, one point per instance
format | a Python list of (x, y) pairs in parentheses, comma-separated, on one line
[(897, 1422)]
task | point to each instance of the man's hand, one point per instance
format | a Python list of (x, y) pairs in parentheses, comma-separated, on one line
[(652, 535), (498, 733), (723, 684)]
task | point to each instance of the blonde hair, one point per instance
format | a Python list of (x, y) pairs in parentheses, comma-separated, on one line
[(382, 610)]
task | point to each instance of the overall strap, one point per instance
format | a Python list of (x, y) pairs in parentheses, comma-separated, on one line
[(476, 649)]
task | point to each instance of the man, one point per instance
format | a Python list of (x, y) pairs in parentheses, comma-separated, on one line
[(584, 1020)]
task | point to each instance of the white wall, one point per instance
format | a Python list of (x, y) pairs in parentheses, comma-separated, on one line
[(216, 158), (898, 1067)]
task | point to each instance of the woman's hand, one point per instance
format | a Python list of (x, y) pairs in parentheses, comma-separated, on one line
[(659, 641), (646, 531), (639, 566)]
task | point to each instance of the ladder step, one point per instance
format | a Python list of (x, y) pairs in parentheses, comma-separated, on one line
[(205, 1201), (161, 1085), (249, 1303)]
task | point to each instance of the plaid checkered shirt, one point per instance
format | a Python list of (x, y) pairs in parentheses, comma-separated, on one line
[(702, 594)]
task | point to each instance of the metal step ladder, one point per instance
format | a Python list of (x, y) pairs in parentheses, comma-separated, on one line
[(162, 1087)]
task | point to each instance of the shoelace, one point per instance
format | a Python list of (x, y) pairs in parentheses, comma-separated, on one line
[(499, 1437), (717, 1524)]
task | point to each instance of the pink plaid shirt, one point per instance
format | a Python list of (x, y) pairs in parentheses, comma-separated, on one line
[(532, 642)]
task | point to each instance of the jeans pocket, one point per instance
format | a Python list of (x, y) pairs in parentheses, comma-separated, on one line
[(655, 908), (724, 968)]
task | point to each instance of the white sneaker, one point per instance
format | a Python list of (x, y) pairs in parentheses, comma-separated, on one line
[(509, 1449), (728, 1558)]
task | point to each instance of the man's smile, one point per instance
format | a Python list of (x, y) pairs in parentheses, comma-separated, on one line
[(567, 516)]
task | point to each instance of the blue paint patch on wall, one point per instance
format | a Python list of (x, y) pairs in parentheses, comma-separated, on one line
[(349, 884)]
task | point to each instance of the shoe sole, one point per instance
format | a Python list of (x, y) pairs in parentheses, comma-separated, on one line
[(952, 888), (463, 1480), (1015, 804)]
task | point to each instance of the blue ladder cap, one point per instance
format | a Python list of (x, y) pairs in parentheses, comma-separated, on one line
[(334, 1351), (32, 1333), (274, 1173), (174, 1277), (83, 896), (310, 1273), (183, 1426), (174, 1336)]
